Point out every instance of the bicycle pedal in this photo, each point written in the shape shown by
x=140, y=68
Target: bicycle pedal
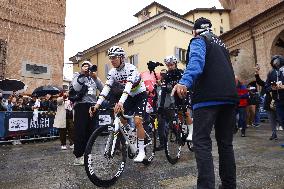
x=149, y=143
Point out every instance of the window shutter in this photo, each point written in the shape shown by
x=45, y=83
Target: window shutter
x=177, y=51
x=106, y=70
x=136, y=60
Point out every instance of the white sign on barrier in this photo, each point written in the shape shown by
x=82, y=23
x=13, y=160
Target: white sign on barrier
x=104, y=119
x=18, y=124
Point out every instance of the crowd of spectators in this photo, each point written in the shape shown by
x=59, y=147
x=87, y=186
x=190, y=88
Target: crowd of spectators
x=19, y=102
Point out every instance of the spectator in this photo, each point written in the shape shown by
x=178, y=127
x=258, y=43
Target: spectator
x=2, y=103
x=272, y=116
x=210, y=76
x=12, y=101
x=87, y=82
x=69, y=118
x=60, y=120
x=243, y=103
x=274, y=85
x=253, y=107
x=19, y=106
x=47, y=104
x=35, y=104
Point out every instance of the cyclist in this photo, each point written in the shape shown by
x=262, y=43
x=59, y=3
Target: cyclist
x=171, y=78
x=133, y=98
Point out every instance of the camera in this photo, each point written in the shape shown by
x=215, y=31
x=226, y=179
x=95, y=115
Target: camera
x=152, y=65
x=273, y=83
x=93, y=68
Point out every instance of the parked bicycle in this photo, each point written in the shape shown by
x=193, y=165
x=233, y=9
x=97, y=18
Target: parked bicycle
x=108, y=147
x=176, y=135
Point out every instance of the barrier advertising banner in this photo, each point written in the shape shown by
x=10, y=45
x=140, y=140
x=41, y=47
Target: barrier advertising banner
x=25, y=123
x=2, y=128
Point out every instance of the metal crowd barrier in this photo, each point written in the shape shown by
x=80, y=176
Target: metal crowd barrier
x=26, y=126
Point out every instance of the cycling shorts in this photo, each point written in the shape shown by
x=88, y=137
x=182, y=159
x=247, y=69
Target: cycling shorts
x=136, y=105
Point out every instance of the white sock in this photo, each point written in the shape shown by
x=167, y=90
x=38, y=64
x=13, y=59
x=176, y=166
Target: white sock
x=190, y=131
x=141, y=145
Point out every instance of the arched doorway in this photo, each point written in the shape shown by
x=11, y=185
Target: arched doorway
x=243, y=64
x=278, y=45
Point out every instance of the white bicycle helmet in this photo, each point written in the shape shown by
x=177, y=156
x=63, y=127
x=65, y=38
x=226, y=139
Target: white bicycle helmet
x=116, y=51
x=170, y=59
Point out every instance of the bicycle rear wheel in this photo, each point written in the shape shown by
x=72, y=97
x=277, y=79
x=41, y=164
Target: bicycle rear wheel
x=173, y=143
x=150, y=141
x=102, y=168
x=190, y=145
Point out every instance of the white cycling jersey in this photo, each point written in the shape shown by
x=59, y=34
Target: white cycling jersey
x=129, y=77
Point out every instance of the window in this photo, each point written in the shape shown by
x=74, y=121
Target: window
x=133, y=59
x=65, y=87
x=130, y=43
x=221, y=30
x=221, y=21
x=181, y=55
x=106, y=70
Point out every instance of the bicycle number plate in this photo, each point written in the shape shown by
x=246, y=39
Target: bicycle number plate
x=104, y=120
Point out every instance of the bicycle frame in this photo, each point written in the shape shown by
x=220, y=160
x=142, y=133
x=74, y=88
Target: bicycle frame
x=119, y=127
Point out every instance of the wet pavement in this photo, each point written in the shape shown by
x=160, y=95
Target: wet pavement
x=260, y=165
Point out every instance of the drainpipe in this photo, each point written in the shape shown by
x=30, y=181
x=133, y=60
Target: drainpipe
x=253, y=44
x=97, y=58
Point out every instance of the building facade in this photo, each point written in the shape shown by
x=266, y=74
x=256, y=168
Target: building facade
x=160, y=32
x=32, y=41
x=255, y=39
x=218, y=17
x=243, y=10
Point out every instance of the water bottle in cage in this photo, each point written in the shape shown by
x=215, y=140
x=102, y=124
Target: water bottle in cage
x=131, y=133
x=184, y=128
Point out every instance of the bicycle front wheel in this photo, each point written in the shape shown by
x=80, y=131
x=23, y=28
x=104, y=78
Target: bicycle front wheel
x=102, y=166
x=173, y=143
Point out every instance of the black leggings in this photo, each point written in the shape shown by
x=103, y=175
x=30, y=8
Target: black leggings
x=84, y=126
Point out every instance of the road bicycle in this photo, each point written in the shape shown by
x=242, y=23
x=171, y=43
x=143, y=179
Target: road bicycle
x=108, y=147
x=176, y=135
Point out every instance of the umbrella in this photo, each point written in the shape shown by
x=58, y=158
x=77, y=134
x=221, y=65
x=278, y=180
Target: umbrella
x=11, y=85
x=44, y=90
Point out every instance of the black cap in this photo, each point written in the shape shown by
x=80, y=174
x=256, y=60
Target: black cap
x=202, y=23
x=277, y=61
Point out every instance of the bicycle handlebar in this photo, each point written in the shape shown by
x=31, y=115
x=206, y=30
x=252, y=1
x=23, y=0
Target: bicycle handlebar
x=119, y=114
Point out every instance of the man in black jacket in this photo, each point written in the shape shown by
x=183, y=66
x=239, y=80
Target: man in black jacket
x=274, y=85
x=210, y=76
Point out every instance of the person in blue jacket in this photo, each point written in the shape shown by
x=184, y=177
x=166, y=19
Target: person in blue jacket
x=210, y=77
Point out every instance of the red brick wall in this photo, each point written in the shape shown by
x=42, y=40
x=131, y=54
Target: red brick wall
x=243, y=10
x=34, y=31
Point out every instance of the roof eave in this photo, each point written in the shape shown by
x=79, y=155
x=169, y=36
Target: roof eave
x=135, y=27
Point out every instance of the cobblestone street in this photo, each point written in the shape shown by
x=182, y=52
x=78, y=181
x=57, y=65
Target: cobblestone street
x=260, y=164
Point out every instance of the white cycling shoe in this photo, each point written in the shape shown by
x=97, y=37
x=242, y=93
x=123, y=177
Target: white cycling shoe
x=190, y=131
x=141, y=151
x=140, y=157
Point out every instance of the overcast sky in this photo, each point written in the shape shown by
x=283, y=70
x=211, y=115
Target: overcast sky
x=88, y=22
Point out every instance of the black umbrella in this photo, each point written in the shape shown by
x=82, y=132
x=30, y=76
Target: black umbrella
x=43, y=90
x=11, y=85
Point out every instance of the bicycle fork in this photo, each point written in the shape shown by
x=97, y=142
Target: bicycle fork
x=111, y=142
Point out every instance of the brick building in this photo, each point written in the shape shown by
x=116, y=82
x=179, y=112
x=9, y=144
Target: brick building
x=257, y=33
x=32, y=41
